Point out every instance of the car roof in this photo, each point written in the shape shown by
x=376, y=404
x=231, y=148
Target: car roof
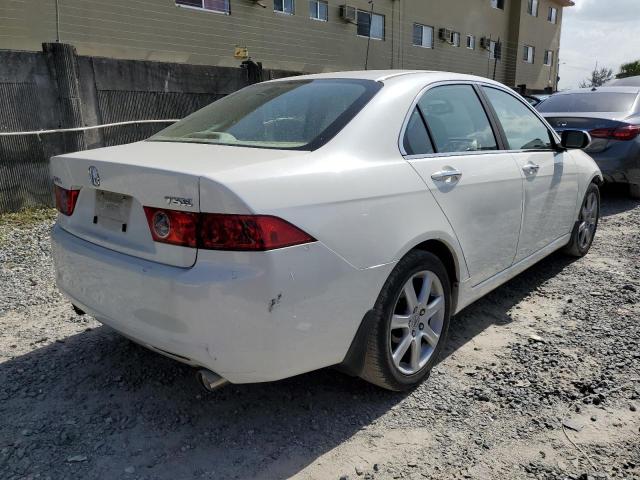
x=625, y=82
x=635, y=90
x=387, y=75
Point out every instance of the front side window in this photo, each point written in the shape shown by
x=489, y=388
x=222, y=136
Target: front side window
x=457, y=122
x=290, y=115
x=319, y=10
x=221, y=6
x=548, y=57
x=284, y=6
x=416, y=139
x=523, y=129
x=471, y=42
x=532, y=7
x=422, y=36
x=529, y=54
x=370, y=25
x=553, y=15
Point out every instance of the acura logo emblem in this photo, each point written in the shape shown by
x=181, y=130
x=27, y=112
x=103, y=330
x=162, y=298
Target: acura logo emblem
x=94, y=176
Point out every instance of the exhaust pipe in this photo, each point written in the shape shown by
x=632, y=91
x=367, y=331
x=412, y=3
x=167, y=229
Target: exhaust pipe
x=209, y=380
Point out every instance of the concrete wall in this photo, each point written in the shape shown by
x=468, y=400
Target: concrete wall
x=161, y=31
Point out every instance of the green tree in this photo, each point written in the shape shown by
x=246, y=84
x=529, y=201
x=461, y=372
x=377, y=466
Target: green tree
x=630, y=69
x=599, y=77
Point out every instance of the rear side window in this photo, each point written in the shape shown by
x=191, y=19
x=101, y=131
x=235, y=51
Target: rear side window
x=416, y=139
x=589, y=102
x=292, y=114
x=456, y=119
x=523, y=129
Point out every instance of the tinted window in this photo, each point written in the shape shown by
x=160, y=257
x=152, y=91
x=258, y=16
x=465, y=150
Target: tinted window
x=416, y=139
x=523, y=129
x=589, y=102
x=456, y=119
x=300, y=114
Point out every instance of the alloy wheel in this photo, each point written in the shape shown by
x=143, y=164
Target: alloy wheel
x=588, y=221
x=416, y=322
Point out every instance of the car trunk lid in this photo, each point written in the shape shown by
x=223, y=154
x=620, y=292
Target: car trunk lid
x=116, y=183
x=587, y=122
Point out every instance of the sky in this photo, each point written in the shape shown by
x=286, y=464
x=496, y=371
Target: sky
x=603, y=31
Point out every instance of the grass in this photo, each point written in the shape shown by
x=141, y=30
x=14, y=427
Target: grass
x=24, y=219
x=27, y=217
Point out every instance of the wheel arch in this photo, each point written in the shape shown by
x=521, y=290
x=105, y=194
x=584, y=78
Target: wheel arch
x=353, y=362
x=447, y=256
x=597, y=179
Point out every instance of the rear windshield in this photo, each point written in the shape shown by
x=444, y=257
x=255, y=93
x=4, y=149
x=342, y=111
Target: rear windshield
x=589, y=102
x=292, y=115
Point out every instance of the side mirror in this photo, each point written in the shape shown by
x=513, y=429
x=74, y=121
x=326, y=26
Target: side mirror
x=572, y=139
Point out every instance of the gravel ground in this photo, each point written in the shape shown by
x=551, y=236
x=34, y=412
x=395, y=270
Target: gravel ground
x=541, y=380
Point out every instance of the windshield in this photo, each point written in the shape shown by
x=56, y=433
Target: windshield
x=293, y=115
x=589, y=102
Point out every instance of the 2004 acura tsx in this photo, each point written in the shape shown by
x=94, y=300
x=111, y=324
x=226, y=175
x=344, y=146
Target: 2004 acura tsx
x=332, y=219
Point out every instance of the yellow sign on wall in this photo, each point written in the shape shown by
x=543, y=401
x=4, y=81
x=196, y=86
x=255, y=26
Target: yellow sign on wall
x=241, y=53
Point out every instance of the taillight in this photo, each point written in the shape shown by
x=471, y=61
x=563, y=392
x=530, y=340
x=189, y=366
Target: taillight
x=628, y=132
x=218, y=231
x=173, y=226
x=65, y=200
x=248, y=232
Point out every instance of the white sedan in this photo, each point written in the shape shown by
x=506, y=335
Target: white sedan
x=332, y=219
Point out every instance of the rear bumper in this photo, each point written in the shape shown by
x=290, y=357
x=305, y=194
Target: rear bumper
x=621, y=163
x=249, y=317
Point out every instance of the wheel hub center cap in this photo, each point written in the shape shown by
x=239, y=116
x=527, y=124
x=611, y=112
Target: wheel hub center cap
x=414, y=320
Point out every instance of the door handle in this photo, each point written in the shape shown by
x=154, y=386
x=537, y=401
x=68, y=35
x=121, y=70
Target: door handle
x=450, y=175
x=531, y=168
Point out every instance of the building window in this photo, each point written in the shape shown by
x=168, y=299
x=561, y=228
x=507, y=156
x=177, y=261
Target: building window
x=422, y=36
x=548, y=57
x=370, y=25
x=319, y=10
x=529, y=54
x=497, y=4
x=221, y=6
x=532, y=7
x=553, y=15
x=492, y=49
x=455, y=39
x=471, y=42
x=283, y=6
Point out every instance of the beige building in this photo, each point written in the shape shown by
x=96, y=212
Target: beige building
x=515, y=41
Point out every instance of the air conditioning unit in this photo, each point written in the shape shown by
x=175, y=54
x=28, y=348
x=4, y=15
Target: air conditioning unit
x=485, y=43
x=348, y=13
x=444, y=34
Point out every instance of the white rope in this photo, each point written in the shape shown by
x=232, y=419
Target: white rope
x=83, y=129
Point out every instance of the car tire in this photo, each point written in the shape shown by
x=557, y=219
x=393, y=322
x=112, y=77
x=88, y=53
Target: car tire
x=634, y=190
x=585, y=228
x=428, y=317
